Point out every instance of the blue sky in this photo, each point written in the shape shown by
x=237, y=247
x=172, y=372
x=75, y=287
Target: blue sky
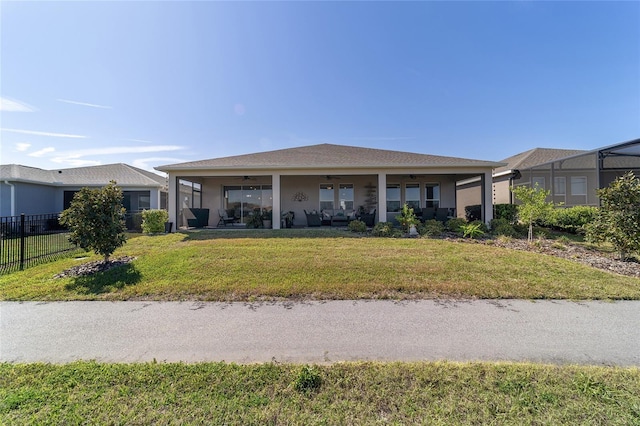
x=152, y=83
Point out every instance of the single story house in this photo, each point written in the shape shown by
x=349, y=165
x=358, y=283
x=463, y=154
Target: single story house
x=572, y=176
x=324, y=177
x=31, y=190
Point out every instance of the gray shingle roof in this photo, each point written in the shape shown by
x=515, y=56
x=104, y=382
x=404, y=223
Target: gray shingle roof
x=123, y=174
x=536, y=156
x=327, y=155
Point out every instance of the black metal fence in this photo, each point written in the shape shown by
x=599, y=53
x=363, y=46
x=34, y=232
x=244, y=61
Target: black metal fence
x=28, y=240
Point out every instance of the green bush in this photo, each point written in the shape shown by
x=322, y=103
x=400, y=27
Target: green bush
x=357, y=226
x=508, y=212
x=454, y=224
x=407, y=217
x=153, y=221
x=472, y=230
x=503, y=227
x=572, y=219
x=431, y=228
x=96, y=219
x=473, y=212
x=385, y=229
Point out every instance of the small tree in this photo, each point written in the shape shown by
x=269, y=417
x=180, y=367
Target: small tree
x=407, y=217
x=618, y=219
x=534, y=205
x=96, y=219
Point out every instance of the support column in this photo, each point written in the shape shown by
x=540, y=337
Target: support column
x=172, y=201
x=277, y=205
x=487, y=196
x=382, y=197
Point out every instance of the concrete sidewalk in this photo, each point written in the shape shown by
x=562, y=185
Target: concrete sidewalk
x=316, y=332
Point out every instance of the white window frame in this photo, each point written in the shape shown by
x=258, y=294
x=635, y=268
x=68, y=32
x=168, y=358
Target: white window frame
x=342, y=202
x=398, y=200
x=539, y=180
x=333, y=194
x=415, y=204
x=435, y=201
x=584, y=178
x=557, y=185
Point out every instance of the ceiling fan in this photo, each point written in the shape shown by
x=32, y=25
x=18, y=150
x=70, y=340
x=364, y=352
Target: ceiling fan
x=329, y=177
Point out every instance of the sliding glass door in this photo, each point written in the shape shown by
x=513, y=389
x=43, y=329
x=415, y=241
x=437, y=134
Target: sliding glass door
x=244, y=200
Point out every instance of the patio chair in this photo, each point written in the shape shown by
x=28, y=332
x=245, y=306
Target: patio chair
x=313, y=218
x=369, y=218
x=428, y=213
x=225, y=218
x=442, y=214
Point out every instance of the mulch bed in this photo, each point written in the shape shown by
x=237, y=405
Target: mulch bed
x=95, y=267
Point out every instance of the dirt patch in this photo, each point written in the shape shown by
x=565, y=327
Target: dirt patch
x=94, y=267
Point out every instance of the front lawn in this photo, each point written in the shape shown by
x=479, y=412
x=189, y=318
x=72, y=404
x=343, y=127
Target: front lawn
x=350, y=393
x=302, y=264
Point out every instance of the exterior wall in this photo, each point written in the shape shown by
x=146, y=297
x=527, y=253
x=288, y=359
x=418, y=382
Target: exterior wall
x=5, y=199
x=569, y=199
x=502, y=190
x=34, y=199
x=468, y=195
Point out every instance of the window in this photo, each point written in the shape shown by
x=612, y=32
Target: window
x=539, y=180
x=190, y=194
x=432, y=195
x=243, y=201
x=326, y=196
x=560, y=185
x=412, y=195
x=578, y=185
x=393, y=198
x=345, y=196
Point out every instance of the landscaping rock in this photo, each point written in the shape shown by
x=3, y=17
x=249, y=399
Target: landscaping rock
x=94, y=267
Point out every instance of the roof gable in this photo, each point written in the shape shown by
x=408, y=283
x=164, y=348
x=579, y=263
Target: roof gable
x=536, y=156
x=123, y=174
x=326, y=155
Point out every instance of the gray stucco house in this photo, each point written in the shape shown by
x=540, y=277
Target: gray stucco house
x=31, y=190
x=571, y=176
x=320, y=178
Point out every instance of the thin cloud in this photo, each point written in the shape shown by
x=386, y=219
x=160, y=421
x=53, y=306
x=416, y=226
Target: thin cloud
x=143, y=163
x=67, y=157
x=83, y=163
x=67, y=101
x=42, y=152
x=12, y=105
x=38, y=133
x=22, y=146
x=136, y=140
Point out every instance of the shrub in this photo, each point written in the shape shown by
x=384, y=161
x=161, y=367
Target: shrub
x=308, y=379
x=407, y=217
x=431, y=228
x=153, y=221
x=473, y=212
x=509, y=212
x=572, y=219
x=454, y=224
x=618, y=220
x=385, y=229
x=357, y=226
x=472, y=230
x=96, y=219
x=502, y=227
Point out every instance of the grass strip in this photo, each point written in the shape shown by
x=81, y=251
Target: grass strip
x=290, y=264
x=349, y=393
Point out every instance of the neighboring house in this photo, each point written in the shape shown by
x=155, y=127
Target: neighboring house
x=322, y=177
x=572, y=176
x=31, y=190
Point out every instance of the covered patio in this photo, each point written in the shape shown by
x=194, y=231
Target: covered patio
x=320, y=179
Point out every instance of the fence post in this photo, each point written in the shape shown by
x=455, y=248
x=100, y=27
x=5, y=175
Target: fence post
x=22, y=241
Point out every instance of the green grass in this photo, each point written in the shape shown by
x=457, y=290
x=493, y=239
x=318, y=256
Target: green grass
x=350, y=393
x=295, y=264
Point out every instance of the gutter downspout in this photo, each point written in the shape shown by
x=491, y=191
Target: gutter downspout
x=13, y=197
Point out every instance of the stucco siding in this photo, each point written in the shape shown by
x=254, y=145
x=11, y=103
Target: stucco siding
x=34, y=199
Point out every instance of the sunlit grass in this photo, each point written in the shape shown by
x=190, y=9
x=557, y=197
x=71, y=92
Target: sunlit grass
x=349, y=393
x=295, y=264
